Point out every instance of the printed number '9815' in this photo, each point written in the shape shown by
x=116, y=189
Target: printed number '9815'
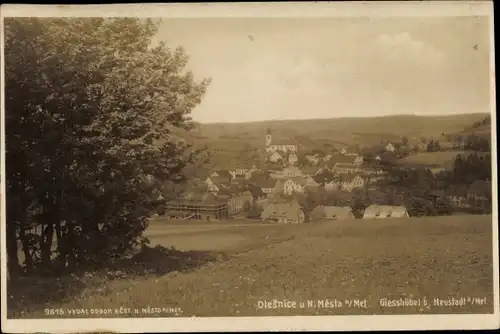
x=54, y=311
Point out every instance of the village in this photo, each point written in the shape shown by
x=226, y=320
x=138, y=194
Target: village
x=295, y=187
x=204, y=165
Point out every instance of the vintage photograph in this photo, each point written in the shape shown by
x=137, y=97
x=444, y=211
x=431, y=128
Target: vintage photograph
x=219, y=167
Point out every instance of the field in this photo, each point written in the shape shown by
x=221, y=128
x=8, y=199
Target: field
x=227, y=141
x=241, y=264
x=442, y=159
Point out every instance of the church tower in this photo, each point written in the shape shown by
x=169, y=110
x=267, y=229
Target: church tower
x=268, y=138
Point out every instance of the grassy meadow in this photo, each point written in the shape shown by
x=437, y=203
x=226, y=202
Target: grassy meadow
x=442, y=159
x=226, y=269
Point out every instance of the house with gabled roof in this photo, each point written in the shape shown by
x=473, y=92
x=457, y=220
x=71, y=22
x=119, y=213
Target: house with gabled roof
x=328, y=180
x=294, y=184
x=390, y=148
x=275, y=157
x=309, y=170
x=257, y=193
x=222, y=174
x=480, y=194
x=313, y=159
x=457, y=195
x=265, y=184
x=352, y=181
x=292, y=158
x=332, y=213
x=327, y=157
x=289, y=171
x=284, y=212
x=385, y=211
x=345, y=168
x=237, y=198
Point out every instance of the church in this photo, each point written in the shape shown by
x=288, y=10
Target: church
x=275, y=146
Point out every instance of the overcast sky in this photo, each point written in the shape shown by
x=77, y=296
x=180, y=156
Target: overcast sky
x=288, y=68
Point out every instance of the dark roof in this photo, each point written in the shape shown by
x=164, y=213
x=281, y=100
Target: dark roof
x=221, y=183
x=300, y=180
x=233, y=189
x=324, y=177
x=309, y=169
x=349, y=177
x=256, y=192
x=262, y=182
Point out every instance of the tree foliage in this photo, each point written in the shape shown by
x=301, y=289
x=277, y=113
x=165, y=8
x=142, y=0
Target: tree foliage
x=92, y=117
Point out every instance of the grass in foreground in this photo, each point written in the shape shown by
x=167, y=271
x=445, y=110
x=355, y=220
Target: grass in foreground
x=363, y=259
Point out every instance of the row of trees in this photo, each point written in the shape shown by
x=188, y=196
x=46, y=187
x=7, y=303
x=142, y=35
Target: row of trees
x=467, y=169
x=484, y=121
x=89, y=109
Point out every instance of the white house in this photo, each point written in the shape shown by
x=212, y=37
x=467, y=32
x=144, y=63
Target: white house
x=359, y=160
x=292, y=158
x=350, y=182
x=216, y=184
x=222, y=174
x=385, y=211
x=333, y=185
x=275, y=157
x=390, y=148
x=239, y=171
x=287, y=172
x=345, y=168
x=296, y=184
x=332, y=213
x=313, y=159
x=285, y=213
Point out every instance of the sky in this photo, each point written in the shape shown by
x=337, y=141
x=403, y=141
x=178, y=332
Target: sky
x=297, y=68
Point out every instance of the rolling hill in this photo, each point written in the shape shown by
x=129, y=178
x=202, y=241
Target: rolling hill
x=227, y=141
x=345, y=130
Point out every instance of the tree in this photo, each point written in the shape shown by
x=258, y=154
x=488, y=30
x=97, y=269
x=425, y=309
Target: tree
x=358, y=203
x=418, y=207
x=254, y=211
x=430, y=146
x=92, y=110
x=437, y=146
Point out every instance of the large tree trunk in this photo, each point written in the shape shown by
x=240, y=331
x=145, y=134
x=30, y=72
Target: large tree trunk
x=13, y=266
x=28, y=259
x=46, y=247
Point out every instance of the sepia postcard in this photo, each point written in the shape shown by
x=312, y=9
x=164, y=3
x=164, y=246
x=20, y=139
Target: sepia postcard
x=245, y=167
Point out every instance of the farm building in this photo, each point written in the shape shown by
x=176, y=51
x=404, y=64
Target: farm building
x=237, y=199
x=332, y=213
x=202, y=210
x=385, y=211
x=284, y=213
